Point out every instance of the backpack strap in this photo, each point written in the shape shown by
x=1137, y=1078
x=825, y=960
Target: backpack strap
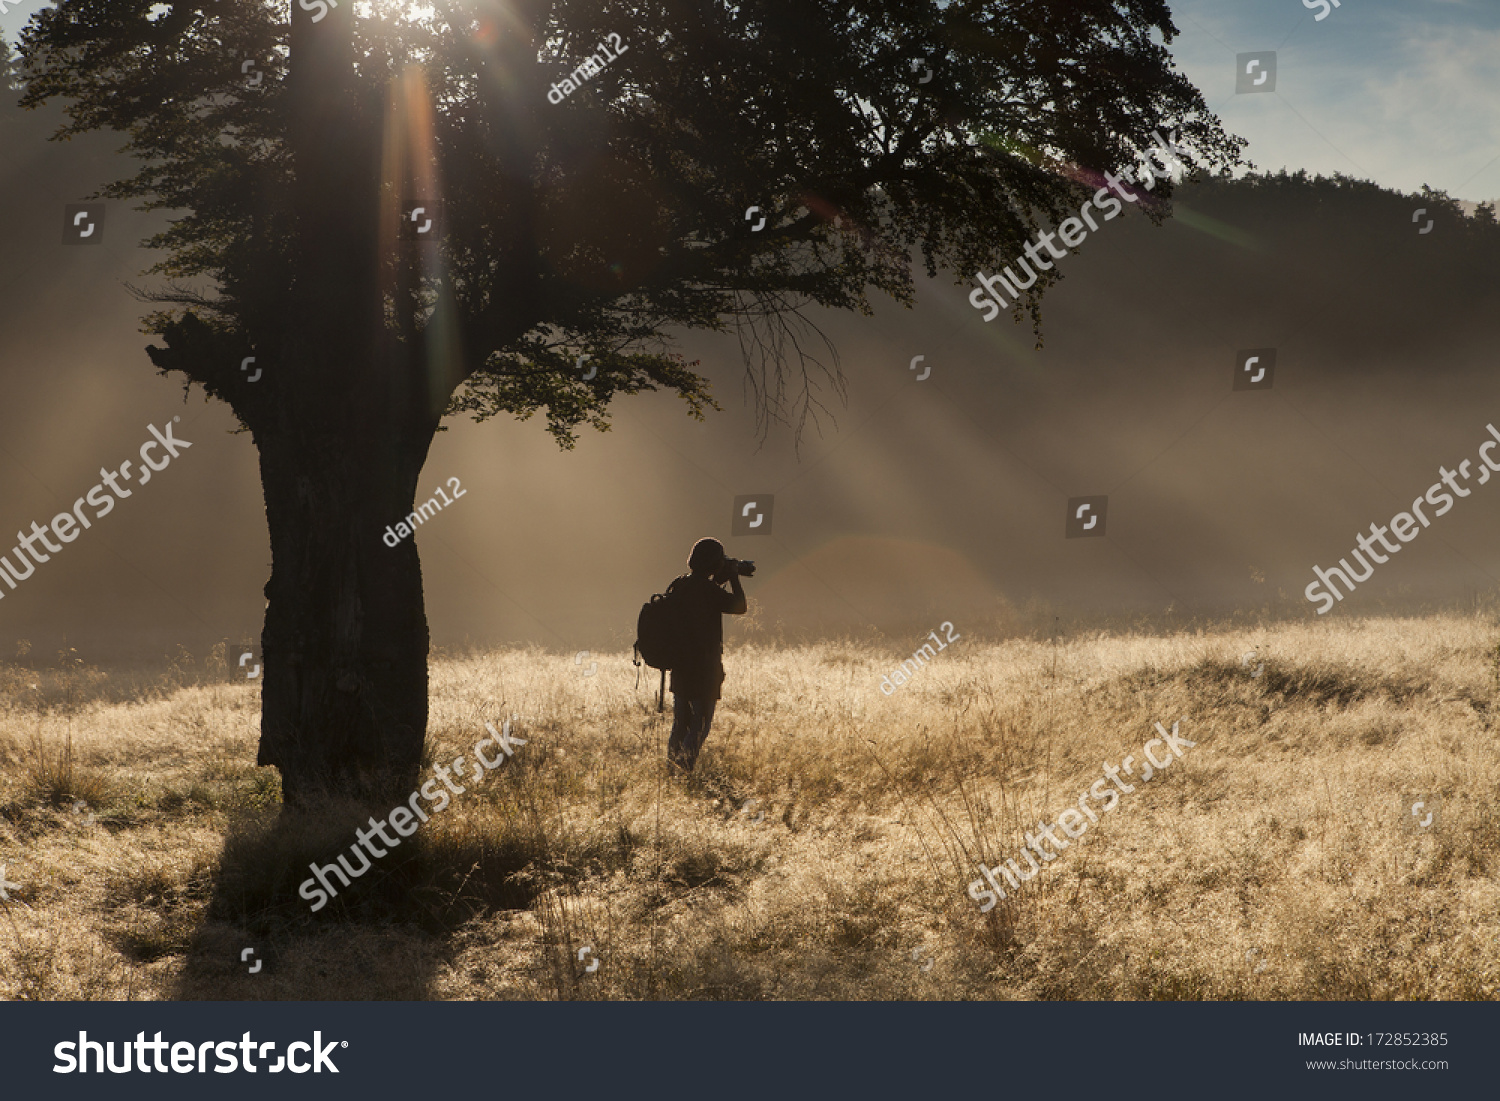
x=661, y=695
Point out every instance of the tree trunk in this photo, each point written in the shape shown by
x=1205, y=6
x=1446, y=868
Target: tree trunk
x=344, y=705
x=342, y=438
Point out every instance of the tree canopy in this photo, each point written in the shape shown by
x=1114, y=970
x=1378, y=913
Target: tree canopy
x=599, y=224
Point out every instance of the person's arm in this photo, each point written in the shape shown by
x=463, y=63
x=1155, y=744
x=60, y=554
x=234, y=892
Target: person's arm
x=734, y=600
x=740, y=605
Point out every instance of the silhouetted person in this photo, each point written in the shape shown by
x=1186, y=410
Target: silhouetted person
x=699, y=674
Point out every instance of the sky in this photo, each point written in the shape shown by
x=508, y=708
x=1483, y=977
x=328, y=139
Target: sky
x=1401, y=92
x=923, y=501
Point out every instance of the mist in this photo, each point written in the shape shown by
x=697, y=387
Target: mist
x=905, y=503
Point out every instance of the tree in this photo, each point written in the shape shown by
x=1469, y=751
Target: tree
x=583, y=208
x=10, y=77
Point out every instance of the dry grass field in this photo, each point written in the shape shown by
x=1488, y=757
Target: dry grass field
x=1275, y=860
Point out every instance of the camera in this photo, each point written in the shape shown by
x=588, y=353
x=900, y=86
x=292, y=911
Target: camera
x=743, y=567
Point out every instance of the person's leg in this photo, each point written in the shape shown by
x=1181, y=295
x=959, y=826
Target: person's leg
x=679, y=750
x=687, y=742
x=703, y=717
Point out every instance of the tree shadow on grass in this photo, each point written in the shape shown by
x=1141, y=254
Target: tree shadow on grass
x=381, y=937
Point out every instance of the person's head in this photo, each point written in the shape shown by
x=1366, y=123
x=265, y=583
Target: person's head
x=707, y=557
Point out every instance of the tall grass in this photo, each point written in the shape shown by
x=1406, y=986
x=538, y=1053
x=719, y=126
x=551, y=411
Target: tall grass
x=1274, y=860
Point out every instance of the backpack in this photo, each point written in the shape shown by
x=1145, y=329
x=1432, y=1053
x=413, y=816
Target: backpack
x=659, y=635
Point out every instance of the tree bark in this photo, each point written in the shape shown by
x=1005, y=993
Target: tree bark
x=344, y=704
